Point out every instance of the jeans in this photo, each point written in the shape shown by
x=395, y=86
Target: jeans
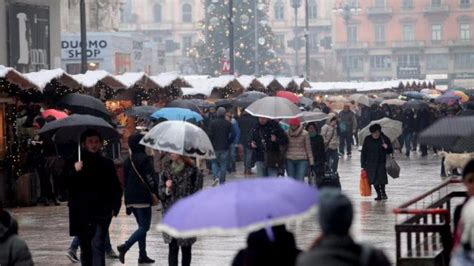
x=345, y=139
x=143, y=217
x=333, y=159
x=232, y=158
x=174, y=251
x=92, y=241
x=264, y=171
x=297, y=169
x=219, y=165
x=408, y=140
x=248, y=154
x=108, y=246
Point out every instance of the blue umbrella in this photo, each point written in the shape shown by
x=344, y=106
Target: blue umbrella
x=176, y=114
x=240, y=207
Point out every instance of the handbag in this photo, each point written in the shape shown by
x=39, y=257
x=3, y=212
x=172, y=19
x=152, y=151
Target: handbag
x=364, y=186
x=393, y=169
x=154, y=198
x=330, y=179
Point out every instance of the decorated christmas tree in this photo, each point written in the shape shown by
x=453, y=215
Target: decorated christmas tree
x=211, y=54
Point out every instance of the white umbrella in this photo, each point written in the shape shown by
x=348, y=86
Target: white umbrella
x=390, y=128
x=396, y=102
x=362, y=99
x=179, y=137
x=273, y=108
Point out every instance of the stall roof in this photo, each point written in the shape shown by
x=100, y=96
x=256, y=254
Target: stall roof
x=130, y=79
x=91, y=78
x=41, y=78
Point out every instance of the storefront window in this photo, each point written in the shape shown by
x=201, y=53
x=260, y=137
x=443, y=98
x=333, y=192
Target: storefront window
x=464, y=60
x=437, y=61
x=380, y=62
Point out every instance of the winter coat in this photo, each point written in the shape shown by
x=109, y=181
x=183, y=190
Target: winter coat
x=261, y=135
x=376, y=114
x=282, y=251
x=347, y=122
x=94, y=192
x=422, y=119
x=299, y=145
x=409, y=123
x=319, y=153
x=135, y=191
x=374, y=158
x=330, y=136
x=246, y=124
x=236, y=130
x=186, y=182
x=364, y=119
x=13, y=249
x=340, y=251
x=221, y=134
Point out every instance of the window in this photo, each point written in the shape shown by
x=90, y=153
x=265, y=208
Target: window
x=312, y=9
x=436, y=32
x=407, y=4
x=351, y=33
x=379, y=34
x=380, y=62
x=408, y=31
x=279, y=10
x=435, y=3
x=464, y=60
x=157, y=13
x=313, y=42
x=187, y=44
x=187, y=13
x=280, y=42
x=354, y=63
x=437, y=61
x=408, y=60
x=465, y=31
x=465, y=3
x=379, y=3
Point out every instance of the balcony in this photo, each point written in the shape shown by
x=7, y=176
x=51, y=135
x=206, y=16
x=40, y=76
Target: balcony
x=351, y=45
x=379, y=11
x=461, y=43
x=436, y=9
x=408, y=44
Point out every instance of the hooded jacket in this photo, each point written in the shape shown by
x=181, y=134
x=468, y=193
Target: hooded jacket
x=13, y=249
x=330, y=135
x=299, y=145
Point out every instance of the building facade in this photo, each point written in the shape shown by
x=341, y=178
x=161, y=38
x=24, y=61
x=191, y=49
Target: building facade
x=385, y=39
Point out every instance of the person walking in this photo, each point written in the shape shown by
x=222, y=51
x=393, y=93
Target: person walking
x=299, y=153
x=375, y=149
x=335, y=246
x=71, y=253
x=409, y=127
x=246, y=124
x=347, y=129
x=235, y=142
x=331, y=142
x=179, y=178
x=141, y=192
x=319, y=153
x=268, y=140
x=95, y=196
x=221, y=135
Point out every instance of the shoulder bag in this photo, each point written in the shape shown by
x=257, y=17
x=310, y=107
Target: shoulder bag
x=154, y=198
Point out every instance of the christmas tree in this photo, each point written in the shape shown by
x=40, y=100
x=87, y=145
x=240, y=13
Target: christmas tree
x=213, y=49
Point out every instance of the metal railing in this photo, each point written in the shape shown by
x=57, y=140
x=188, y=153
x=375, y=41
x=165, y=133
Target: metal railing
x=379, y=10
x=436, y=8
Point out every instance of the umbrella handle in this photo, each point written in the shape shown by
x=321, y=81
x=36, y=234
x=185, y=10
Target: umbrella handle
x=79, y=150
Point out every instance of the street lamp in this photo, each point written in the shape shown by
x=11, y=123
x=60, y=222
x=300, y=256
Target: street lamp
x=231, y=36
x=82, y=12
x=296, y=4
x=347, y=11
x=306, y=34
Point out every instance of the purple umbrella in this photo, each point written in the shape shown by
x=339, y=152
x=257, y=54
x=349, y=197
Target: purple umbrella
x=240, y=207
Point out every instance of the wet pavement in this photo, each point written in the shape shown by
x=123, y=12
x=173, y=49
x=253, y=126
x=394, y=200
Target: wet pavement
x=45, y=229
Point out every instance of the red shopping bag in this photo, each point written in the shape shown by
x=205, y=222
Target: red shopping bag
x=364, y=185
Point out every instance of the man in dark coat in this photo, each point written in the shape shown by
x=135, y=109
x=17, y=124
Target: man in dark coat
x=335, y=247
x=95, y=196
x=246, y=124
x=409, y=127
x=319, y=151
x=375, y=149
x=423, y=120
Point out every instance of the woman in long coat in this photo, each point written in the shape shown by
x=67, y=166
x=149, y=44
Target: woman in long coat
x=179, y=179
x=375, y=149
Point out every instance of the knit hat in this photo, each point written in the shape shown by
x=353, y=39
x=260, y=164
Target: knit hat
x=294, y=122
x=335, y=212
x=221, y=112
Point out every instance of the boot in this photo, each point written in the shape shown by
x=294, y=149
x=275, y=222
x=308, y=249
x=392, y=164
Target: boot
x=122, y=249
x=379, y=193
x=384, y=195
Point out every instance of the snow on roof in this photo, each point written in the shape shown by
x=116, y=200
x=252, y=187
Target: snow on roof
x=299, y=81
x=361, y=86
x=91, y=77
x=284, y=81
x=246, y=80
x=221, y=81
x=204, y=90
x=165, y=79
x=266, y=80
x=41, y=78
x=130, y=79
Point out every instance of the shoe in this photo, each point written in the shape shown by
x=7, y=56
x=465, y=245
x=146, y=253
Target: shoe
x=145, y=260
x=215, y=182
x=112, y=255
x=122, y=250
x=71, y=254
x=57, y=203
x=349, y=155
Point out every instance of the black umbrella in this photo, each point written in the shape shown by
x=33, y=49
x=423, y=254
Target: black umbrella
x=415, y=104
x=85, y=105
x=202, y=103
x=180, y=103
x=141, y=111
x=247, y=98
x=455, y=134
x=226, y=103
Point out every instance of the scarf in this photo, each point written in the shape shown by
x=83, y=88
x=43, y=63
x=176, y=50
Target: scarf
x=176, y=168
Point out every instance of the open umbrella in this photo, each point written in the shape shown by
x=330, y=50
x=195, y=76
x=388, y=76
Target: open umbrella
x=226, y=103
x=179, y=137
x=308, y=117
x=186, y=104
x=448, y=99
x=390, y=128
x=289, y=96
x=306, y=102
x=362, y=99
x=176, y=114
x=389, y=95
x=141, y=111
x=455, y=134
x=240, y=207
x=247, y=98
x=85, y=105
x=54, y=113
x=273, y=108
x=414, y=95
x=202, y=104
x=395, y=102
x=415, y=104
x=337, y=99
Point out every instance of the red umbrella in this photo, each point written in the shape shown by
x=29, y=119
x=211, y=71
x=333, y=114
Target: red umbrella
x=54, y=113
x=289, y=96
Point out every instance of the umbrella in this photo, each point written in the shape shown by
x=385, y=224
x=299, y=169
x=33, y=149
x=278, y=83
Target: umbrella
x=247, y=98
x=85, y=105
x=179, y=137
x=306, y=102
x=180, y=103
x=273, y=108
x=362, y=99
x=447, y=99
x=341, y=99
x=226, y=103
x=240, y=207
x=455, y=134
x=289, y=96
x=202, y=103
x=141, y=111
x=414, y=95
x=464, y=97
x=415, y=104
x=389, y=95
x=176, y=114
x=396, y=102
x=390, y=128
x=54, y=113
x=308, y=117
